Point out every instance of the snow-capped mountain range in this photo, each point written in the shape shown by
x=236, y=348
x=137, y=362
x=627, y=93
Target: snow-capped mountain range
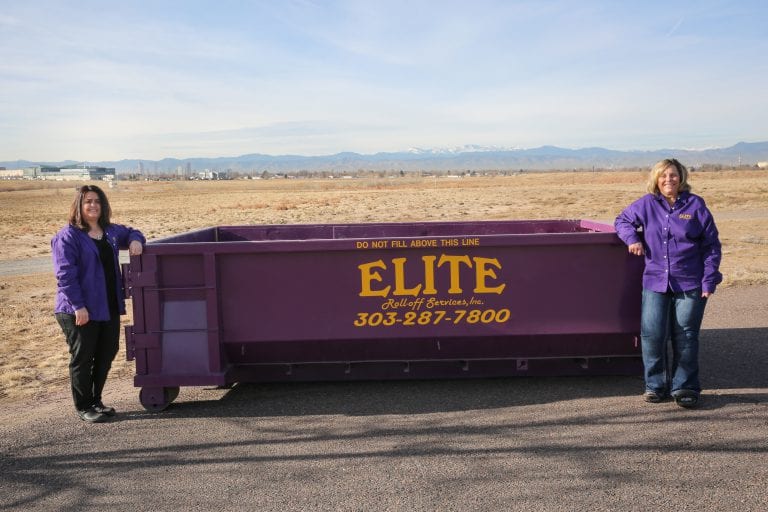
x=467, y=148
x=463, y=158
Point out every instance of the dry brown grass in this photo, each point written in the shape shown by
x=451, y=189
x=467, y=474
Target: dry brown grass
x=33, y=356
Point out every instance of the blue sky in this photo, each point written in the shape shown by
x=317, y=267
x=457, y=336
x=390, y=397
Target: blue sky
x=93, y=80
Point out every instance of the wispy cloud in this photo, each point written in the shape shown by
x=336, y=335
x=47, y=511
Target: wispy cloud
x=147, y=78
x=675, y=27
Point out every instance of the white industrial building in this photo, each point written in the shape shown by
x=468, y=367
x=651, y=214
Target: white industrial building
x=70, y=172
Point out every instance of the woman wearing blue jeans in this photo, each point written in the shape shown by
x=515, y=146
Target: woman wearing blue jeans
x=676, y=233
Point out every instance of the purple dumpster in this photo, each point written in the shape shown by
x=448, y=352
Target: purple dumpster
x=235, y=304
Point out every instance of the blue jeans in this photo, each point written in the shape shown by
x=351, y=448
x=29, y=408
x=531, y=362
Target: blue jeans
x=676, y=316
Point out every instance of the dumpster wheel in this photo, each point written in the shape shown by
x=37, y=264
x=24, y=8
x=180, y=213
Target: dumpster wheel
x=157, y=399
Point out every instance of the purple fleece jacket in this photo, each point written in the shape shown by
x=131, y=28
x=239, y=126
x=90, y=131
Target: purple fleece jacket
x=80, y=274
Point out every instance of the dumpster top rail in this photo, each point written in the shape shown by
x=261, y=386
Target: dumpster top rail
x=259, y=233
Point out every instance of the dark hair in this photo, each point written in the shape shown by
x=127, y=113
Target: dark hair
x=76, y=210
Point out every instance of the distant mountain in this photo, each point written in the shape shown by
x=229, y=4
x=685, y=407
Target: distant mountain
x=21, y=164
x=472, y=158
x=469, y=148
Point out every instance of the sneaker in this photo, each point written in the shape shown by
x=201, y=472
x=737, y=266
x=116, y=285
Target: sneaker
x=652, y=397
x=103, y=409
x=91, y=415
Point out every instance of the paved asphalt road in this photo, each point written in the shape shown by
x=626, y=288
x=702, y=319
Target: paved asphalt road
x=39, y=264
x=580, y=443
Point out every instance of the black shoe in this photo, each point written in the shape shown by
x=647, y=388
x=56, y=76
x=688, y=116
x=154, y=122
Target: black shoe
x=103, y=409
x=652, y=397
x=91, y=415
x=687, y=399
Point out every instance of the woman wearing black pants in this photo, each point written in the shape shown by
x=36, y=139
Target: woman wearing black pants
x=90, y=297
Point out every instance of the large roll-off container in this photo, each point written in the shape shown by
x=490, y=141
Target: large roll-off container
x=382, y=301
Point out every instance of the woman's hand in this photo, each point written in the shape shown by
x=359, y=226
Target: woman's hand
x=636, y=249
x=135, y=248
x=81, y=316
x=707, y=295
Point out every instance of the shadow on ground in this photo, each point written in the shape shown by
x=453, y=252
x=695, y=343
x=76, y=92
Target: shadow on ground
x=731, y=359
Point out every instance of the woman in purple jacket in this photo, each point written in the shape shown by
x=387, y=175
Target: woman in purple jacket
x=90, y=296
x=676, y=233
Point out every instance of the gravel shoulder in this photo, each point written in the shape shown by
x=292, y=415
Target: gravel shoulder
x=580, y=443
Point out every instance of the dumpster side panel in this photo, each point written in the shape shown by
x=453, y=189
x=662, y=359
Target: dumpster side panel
x=477, y=291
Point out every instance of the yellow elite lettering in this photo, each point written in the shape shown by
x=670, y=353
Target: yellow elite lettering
x=429, y=275
x=481, y=272
x=426, y=283
x=453, y=265
x=400, y=288
x=367, y=275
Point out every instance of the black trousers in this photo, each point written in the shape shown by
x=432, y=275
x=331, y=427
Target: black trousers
x=92, y=348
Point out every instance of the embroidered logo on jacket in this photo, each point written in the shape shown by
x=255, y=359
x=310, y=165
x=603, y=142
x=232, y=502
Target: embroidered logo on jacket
x=686, y=216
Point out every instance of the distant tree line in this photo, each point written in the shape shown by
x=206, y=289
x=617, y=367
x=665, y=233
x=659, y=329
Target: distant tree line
x=230, y=174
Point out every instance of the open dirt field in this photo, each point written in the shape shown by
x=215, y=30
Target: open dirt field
x=494, y=444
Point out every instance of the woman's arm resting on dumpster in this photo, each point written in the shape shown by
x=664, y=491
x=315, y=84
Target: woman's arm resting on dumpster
x=627, y=223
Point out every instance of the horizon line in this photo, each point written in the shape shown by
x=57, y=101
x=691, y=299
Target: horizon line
x=445, y=150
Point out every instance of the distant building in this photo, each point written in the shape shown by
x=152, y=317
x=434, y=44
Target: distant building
x=208, y=174
x=70, y=172
x=762, y=165
x=11, y=173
